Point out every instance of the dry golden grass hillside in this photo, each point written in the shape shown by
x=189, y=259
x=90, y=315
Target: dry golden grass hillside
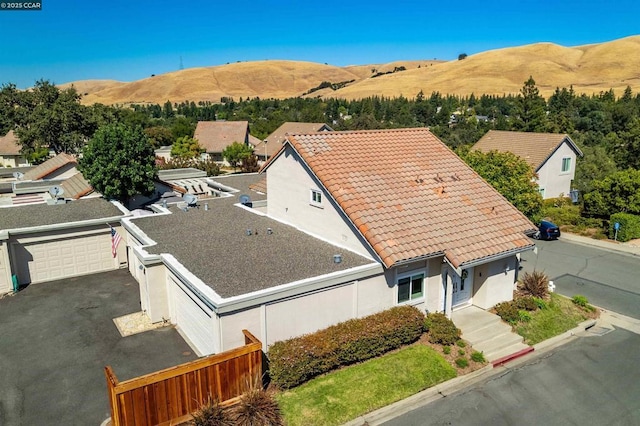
x=590, y=69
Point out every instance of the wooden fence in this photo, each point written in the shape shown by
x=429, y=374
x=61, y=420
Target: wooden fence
x=167, y=397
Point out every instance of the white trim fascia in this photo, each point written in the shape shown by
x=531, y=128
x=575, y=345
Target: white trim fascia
x=497, y=256
x=299, y=287
x=250, y=209
x=120, y=207
x=4, y=234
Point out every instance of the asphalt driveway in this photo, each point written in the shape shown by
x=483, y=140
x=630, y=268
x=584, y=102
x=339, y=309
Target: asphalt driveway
x=56, y=338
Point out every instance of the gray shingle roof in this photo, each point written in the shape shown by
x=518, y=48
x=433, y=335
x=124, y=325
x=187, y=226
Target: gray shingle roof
x=214, y=246
x=42, y=214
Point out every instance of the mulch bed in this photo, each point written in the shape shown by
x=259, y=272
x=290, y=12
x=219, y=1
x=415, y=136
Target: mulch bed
x=454, y=354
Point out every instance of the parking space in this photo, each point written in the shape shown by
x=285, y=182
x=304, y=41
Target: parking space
x=56, y=338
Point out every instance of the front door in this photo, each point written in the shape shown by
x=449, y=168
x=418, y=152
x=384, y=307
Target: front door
x=461, y=288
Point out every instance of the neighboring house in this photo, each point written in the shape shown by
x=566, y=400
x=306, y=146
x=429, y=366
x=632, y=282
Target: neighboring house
x=40, y=243
x=354, y=223
x=10, y=155
x=552, y=156
x=215, y=136
x=60, y=167
x=272, y=144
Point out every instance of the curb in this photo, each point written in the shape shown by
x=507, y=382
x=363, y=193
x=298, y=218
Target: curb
x=602, y=244
x=449, y=387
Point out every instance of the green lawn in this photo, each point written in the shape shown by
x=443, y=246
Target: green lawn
x=345, y=394
x=561, y=315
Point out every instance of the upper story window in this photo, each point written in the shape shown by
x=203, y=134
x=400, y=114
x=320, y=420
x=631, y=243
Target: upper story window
x=566, y=164
x=410, y=287
x=316, y=197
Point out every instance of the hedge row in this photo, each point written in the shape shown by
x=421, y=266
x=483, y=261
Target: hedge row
x=629, y=226
x=294, y=361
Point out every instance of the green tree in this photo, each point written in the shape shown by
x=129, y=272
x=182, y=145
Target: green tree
x=159, y=136
x=119, y=162
x=595, y=165
x=54, y=119
x=616, y=193
x=511, y=176
x=531, y=108
x=236, y=153
x=186, y=147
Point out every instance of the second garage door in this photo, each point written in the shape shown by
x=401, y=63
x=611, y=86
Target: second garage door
x=41, y=261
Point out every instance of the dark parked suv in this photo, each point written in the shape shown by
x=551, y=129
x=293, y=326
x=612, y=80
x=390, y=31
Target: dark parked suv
x=547, y=231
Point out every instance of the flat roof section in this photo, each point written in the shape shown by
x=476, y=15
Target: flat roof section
x=215, y=246
x=28, y=216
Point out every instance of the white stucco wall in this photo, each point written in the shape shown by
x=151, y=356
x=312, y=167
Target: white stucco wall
x=9, y=160
x=231, y=326
x=6, y=284
x=550, y=176
x=289, y=186
x=491, y=284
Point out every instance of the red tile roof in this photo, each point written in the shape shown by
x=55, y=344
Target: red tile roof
x=411, y=197
x=49, y=166
x=9, y=144
x=534, y=148
x=277, y=138
x=76, y=187
x=215, y=136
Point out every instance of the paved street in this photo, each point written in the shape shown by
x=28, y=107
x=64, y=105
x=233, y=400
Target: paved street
x=585, y=382
x=608, y=279
x=56, y=338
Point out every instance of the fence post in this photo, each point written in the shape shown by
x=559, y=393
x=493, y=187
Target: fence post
x=112, y=382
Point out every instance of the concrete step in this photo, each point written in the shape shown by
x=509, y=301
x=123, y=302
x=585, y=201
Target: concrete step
x=505, y=351
x=487, y=332
x=470, y=323
x=497, y=343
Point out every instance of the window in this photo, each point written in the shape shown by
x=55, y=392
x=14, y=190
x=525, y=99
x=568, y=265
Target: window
x=410, y=287
x=566, y=164
x=316, y=197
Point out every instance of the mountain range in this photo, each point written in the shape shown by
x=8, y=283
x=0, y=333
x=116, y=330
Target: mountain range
x=589, y=69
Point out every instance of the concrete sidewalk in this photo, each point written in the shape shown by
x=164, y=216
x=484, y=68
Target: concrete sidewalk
x=630, y=247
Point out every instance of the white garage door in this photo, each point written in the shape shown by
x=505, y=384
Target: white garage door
x=194, y=321
x=56, y=259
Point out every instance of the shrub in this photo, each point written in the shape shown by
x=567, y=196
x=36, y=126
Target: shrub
x=541, y=303
x=257, y=407
x=526, y=303
x=461, y=352
x=535, y=283
x=508, y=312
x=462, y=362
x=294, y=361
x=461, y=343
x=524, y=316
x=212, y=414
x=629, y=226
x=477, y=356
x=446, y=350
x=580, y=300
x=441, y=329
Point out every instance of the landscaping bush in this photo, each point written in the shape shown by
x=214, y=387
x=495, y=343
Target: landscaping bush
x=446, y=350
x=461, y=352
x=526, y=303
x=294, y=361
x=524, y=316
x=541, y=303
x=535, y=283
x=441, y=329
x=257, y=407
x=477, y=356
x=212, y=414
x=508, y=311
x=461, y=343
x=580, y=300
x=629, y=226
x=462, y=362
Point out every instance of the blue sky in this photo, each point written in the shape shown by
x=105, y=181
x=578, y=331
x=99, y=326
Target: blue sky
x=72, y=40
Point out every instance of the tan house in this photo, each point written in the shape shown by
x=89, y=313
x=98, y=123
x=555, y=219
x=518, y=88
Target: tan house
x=352, y=223
x=215, y=136
x=10, y=155
x=552, y=157
x=272, y=144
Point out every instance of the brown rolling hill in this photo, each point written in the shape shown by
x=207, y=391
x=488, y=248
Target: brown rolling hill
x=590, y=69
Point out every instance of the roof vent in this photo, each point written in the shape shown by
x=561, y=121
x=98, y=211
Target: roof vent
x=248, y=231
x=269, y=231
x=337, y=258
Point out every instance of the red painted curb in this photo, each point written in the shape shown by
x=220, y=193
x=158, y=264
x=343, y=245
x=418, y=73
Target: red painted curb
x=500, y=361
